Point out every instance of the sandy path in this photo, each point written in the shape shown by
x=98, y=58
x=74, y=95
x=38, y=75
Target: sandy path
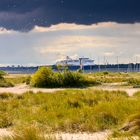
x=20, y=89
x=130, y=91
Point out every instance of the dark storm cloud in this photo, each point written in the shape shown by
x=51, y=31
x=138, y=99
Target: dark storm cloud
x=23, y=15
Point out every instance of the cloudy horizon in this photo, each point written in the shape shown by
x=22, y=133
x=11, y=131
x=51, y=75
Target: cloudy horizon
x=39, y=32
x=45, y=45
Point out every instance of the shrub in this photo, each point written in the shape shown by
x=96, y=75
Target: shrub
x=105, y=72
x=133, y=82
x=45, y=77
x=73, y=79
x=42, y=78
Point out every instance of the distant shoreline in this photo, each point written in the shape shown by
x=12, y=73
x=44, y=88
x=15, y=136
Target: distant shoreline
x=94, y=68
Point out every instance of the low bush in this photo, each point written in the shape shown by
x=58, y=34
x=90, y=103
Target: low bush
x=45, y=77
x=105, y=72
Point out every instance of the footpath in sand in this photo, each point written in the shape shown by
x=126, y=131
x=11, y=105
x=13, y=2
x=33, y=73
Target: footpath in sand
x=117, y=87
x=20, y=89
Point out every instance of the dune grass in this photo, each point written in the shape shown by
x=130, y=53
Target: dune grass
x=18, y=79
x=127, y=79
x=67, y=111
x=137, y=94
x=135, y=82
x=7, y=80
x=3, y=81
x=109, y=77
x=29, y=133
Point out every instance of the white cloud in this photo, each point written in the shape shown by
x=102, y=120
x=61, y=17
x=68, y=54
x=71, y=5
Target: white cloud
x=103, y=25
x=44, y=45
x=108, y=53
x=5, y=31
x=66, y=26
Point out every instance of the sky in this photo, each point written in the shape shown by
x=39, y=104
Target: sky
x=38, y=32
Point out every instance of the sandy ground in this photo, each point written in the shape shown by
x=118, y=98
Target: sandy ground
x=73, y=136
x=5, y=133
x=83, y=136
x=67, y=136
x=129, y=90
x=20, y=89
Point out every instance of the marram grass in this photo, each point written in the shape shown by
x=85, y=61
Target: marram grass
x=68, y=110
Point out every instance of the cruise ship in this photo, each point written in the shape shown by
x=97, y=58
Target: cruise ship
x=84, y=61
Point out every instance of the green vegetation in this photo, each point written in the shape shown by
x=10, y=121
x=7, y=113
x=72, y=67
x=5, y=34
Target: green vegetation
x=16, y=79
x=135, y=82
x=30, y=133
x=2, y=74
x=127, y=79
x=70, y=79
x=71, y=110
x=137, y=94
x=3, y=82
x=109, y=77
x=67, y=111
x=130, y=128
x=45, y=77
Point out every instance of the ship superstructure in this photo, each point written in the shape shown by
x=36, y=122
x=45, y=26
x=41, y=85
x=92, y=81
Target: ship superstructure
x=76, y=62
